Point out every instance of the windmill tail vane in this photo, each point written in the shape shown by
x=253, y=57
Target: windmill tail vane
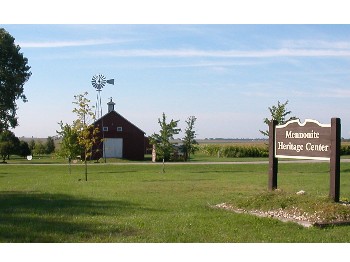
x=110, y=81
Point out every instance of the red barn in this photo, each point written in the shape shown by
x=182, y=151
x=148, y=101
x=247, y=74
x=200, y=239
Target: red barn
x=120, y=138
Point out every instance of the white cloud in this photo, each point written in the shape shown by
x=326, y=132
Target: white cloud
x=316, y=44
x=188, y=53
x=57, y=44
x=335, y=92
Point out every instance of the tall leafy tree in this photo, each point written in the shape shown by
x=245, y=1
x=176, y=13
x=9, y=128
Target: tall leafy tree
x=9, y=144
x=189, y=141
x=14, y=73
x=23, y=149
x=50, y=145
x=164, y=148
x=278, y=113
x=5, y=149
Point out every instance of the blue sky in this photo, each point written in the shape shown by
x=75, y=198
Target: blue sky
x=225, y=75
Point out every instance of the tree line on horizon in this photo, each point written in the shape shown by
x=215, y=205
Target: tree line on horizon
x=12, y=145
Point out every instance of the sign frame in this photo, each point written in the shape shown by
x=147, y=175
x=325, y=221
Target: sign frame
x=300, y=127
x=332, y=139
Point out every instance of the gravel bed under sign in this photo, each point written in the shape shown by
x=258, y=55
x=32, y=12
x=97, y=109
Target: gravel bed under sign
x=292, y=215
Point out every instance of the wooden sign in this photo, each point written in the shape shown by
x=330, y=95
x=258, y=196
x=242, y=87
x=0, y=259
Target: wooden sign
x=310, y=140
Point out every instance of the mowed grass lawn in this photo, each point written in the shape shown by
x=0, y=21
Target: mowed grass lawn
x=138, y=203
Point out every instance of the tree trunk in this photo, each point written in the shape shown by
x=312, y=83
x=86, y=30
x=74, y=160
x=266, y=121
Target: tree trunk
x=85, y=167
x=85, y=170
x=69, y=165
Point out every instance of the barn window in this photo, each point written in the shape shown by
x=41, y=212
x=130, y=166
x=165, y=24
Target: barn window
x=105, y=128
x=119, y=129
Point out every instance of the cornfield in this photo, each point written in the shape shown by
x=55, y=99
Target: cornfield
x=232, y=151
x=235, y=151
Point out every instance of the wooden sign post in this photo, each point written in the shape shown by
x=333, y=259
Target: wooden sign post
x=310, y=140
x=273, y=161
x=335, y=160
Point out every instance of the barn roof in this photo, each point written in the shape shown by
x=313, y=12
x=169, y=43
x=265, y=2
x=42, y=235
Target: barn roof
x=119, y=115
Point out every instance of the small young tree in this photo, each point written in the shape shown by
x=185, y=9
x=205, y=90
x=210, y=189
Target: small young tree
x=189, y=142
x=162, y=140
x=39, y=148
x=32, y=145
x=69, y=146
x=278, y=113
x=83, y=125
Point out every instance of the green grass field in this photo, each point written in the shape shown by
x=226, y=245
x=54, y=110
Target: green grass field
x=137, y=203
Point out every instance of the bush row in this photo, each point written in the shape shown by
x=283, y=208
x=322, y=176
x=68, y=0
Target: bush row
x=344, y=150
x=247, y=151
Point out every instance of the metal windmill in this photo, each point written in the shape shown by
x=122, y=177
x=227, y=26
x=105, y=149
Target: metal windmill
x=98, y=82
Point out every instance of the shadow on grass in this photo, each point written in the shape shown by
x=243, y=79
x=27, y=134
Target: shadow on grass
x=36, y=217
x=221, y=171
x=117, y=172
x=179, y=180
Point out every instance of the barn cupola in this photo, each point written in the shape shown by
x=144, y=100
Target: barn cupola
x=110, y=106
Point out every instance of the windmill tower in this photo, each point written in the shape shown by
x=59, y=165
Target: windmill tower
x=98, y=82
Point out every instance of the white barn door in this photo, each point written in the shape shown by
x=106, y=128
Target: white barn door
x=113, y=148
